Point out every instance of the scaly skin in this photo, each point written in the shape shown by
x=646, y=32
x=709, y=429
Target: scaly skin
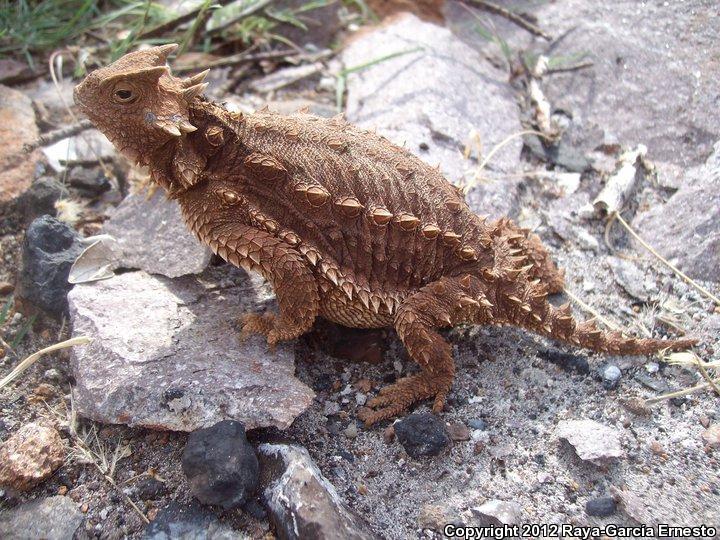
x=343, y=224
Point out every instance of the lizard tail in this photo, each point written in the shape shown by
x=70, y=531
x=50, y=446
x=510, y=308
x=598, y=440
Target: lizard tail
x=558, y=323
x=522, y=302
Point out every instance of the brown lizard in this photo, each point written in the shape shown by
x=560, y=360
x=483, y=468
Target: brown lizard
x=342, y=223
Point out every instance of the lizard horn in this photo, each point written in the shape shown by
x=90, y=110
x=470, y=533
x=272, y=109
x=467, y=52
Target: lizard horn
x=195, y=90
x=162, y=52
x=195, y=79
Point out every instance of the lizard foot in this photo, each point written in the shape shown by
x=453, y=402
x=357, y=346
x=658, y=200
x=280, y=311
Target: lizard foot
x=263, y=324
x=396, y=398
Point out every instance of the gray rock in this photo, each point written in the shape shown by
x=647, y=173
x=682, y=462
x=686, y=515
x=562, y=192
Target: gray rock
x=629, y=277
x=686, y=229
x=90, y=145
x=285, y=77
x=90, y=180
x=611, y=376
x=220, y=465
x=648, y=84
x=433, y=98
x=166, y=354
x=53, y=518
x=497, y=513
x=179, y=521
x=302, y=503
x=153, y=237
x=40, y=198
x=592, y=441
x=601, y=507
x=496, y=198
x=49, y=249
x=477, y=423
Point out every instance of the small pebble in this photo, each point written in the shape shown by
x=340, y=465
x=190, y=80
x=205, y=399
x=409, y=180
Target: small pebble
x=458, y=431
x=364, y=385
x=44, y=390
x=351, y=431
x=422, y=434
x=600, y=507
x=657, y=448
x=52, y=375
x=711, y=436
x=360, y=399
x=611, y=376
x=331, y=408
x=477, y=423
x=652, y=367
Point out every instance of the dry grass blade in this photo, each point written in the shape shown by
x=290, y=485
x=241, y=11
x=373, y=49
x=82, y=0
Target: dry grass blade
x=478, y=174
x=30, y=360
x=592, y=311
x=689, y=280
x=690, y=359
x=88, y=448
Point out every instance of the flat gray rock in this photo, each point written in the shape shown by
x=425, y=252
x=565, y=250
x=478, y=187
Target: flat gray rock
x=52, y=518
x=432, y=98
x=650, y=83
x=152, y=236
x=302, y=502
x=166, y=354
x=686, y=229
x=629, y=277
x=592, y=441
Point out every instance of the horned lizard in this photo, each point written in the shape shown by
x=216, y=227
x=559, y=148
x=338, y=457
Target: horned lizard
x=342, y=223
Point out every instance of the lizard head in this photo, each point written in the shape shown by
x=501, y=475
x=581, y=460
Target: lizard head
x=137, y=103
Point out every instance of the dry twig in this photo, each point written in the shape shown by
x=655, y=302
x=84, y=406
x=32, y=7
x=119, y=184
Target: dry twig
x=686, y=278
x=51, y=137
x=510, y=16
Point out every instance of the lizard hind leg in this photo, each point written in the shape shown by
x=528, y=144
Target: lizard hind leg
x=416, y=322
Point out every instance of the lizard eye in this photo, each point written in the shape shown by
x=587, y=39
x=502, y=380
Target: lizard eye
x=124, y=93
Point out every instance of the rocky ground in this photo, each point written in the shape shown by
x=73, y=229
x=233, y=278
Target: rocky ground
x=96, y=438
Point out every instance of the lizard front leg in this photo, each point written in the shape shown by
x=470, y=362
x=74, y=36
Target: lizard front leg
x=287, y=272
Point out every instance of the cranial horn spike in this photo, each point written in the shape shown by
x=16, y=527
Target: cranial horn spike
x=195, y=79
x=195, y=90
x=186, y=127
x=163, y=51
x=170, y=129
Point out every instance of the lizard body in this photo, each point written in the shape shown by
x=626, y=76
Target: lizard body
x=344, y=224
